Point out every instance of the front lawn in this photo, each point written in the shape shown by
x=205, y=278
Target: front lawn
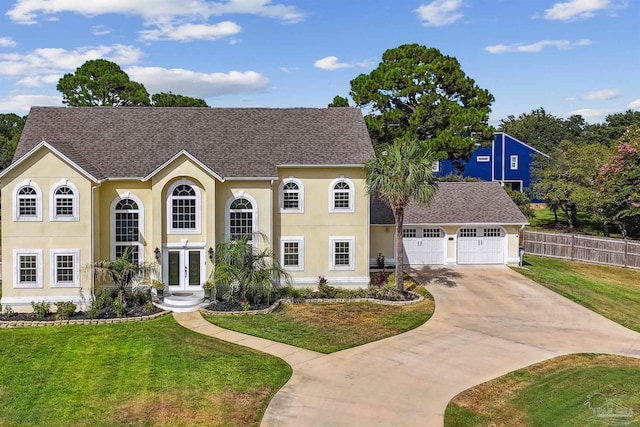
x=570, y=391
x=152, y=373
x=613, y=292
x=327, y=328
x=544, y=219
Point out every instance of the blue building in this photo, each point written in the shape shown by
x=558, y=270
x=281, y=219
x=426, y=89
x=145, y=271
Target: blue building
x=507, y=160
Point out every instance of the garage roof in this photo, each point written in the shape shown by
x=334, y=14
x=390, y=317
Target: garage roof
x=457, y=203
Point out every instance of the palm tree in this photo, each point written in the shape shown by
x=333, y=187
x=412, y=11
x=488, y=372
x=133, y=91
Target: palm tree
x=121, y=272
x=401, y=172
x=239, y=263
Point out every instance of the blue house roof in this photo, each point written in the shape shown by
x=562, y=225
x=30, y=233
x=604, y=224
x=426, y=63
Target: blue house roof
x=507, y=160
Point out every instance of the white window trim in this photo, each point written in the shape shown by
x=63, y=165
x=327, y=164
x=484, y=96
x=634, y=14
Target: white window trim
x=227, y=215
x=300, y=241
x=435, y=166
x=52, y=202
x=483, y=159
x=300, y=208
x=352, y=248
x=513, y=162
x=16, y=268
x=53, y=267
x=16, y=209
x=170, y=229
x=112, y=225
x=351, y=208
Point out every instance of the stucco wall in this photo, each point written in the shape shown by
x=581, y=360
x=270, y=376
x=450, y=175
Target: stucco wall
x=47, y=171
x=318, y=225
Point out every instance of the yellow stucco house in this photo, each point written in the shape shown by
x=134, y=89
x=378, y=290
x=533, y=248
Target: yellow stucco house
x=87, y=183
x=171, y=183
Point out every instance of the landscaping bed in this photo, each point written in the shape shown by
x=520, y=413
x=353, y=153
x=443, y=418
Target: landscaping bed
x=105, y=305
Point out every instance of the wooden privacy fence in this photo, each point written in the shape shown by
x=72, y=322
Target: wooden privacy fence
x=577, y=247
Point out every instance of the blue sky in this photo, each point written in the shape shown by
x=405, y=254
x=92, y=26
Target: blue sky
x=567, y=56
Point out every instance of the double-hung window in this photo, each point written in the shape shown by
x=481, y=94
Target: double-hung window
x=292, y=253
x=291, y=194
x=65, y=268
x=342, y=253
x=27, y=268
x=126, y=226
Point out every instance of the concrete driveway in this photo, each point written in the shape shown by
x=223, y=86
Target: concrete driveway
x=488, y=321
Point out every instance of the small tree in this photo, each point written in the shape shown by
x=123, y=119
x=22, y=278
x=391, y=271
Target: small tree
x=238, y=263
x=400, y=173
x=121, y=272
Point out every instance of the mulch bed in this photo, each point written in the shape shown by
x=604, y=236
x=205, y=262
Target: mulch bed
x=136, y=311
x=234, y=306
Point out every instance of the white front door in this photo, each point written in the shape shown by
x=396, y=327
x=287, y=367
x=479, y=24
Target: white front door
x=184, y=269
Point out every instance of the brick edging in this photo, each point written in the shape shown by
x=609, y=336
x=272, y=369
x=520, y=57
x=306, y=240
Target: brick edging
x=276, y=304
x=35, y=323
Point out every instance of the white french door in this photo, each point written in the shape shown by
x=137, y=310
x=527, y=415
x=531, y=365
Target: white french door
x=184, y=268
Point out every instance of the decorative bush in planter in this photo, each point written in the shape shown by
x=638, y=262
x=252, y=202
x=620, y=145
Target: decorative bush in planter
x=209, y=289
x=159, y=287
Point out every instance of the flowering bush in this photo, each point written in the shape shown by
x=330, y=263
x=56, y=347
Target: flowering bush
x=618, y=184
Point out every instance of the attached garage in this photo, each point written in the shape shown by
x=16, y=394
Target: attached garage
x=424, y=246
x=466, y=223
x=481, y=245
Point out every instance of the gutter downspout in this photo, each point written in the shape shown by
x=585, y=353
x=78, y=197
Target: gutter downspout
x=93, y=237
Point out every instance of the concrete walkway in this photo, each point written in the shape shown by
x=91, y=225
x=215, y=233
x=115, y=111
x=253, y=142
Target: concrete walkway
x=488, y=321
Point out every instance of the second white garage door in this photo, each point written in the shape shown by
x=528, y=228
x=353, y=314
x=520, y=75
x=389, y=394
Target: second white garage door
x=481, y=245
x=423, y=246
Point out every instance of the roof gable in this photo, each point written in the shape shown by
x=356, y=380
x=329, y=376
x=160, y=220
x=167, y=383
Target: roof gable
x=517, y=141
x=47, y=146
x=233, y=142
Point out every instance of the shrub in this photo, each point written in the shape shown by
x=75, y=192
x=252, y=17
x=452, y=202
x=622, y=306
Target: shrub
x=138, y=296
x=40, y=309
x=104, y=298
x=8, y=311
x=326, y=291
x=380, y=279
x=64, y=310
x=149, y=306
x=387, y=292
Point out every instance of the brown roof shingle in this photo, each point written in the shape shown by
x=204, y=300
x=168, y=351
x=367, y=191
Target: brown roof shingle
x=457, y=203
x=233, y=142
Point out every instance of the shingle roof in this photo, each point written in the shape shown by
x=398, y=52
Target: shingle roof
x=457, y=203
x=233, y=142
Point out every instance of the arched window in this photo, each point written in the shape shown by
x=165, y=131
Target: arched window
x=242, y=218
x=291, y=196
x=126, y=225
x=341, y=195
x=27, y=202
x=183, y=208
x=64, y=202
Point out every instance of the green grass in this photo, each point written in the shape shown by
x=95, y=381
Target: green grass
x=545, y=220
x=327, y=328
x=152, y=373
x=551, y=393
x=613, y=292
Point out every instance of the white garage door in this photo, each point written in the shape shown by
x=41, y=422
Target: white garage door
x=482, y=245
x=423, y=246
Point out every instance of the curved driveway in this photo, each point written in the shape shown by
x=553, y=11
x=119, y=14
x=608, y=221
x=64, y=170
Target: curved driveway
x=488, y=321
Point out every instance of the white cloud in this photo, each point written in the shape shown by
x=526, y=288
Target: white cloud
x=100, y=30
x=186, y=32
x=7, y=42
x=634, y=105
x=28, y=11
x=22, y=103
x=536, y=47
x=331, y=63
x=439, y=12
x=197, y=84
x=590, y=113
x=49, y=61
x=37, y=81
x=603, y=95
x=580, y=9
